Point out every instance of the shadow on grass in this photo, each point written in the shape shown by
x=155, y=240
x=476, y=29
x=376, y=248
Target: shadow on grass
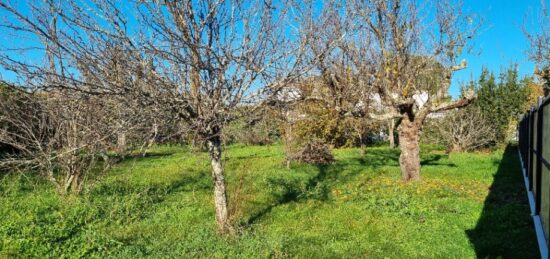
x=149, y=189
x=390, y=157
x=505, y=227
x=127, y=201
x=434, y=160
x=315, y=188
x=379, y=157
x=134, y=156
x=343, y=171
x=122, y=187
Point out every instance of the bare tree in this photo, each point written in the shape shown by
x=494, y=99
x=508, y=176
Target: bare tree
x=540, y=46
x=219, y=51
x=197, y=60
x=62, y=137
x=466, y=130
x=63, y=121
x=390, y=56
x=285, y=106
x=408, y=62
x=335, y=76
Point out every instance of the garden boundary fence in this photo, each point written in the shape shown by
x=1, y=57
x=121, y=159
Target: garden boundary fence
x=534, y=152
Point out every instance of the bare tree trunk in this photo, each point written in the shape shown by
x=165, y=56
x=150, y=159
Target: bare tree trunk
x=288, y=144
x=409, y=160
x=68, y=183
x=220, y=197
x=72, y=183
x=121, y=141
x=72, y=168
x=363, y=151
x=75, y=185
x=391, y=129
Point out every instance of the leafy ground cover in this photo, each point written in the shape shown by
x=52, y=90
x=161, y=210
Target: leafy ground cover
x=468, y=205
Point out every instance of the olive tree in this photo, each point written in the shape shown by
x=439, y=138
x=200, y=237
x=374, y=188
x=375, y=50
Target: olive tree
x=409, y=53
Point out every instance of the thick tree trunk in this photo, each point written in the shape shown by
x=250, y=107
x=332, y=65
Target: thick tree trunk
x=391, y=129
x=409, y=160
x=220, y=197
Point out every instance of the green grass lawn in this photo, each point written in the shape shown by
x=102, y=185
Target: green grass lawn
x=467, y=205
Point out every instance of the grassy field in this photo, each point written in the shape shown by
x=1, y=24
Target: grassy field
x=467, y=206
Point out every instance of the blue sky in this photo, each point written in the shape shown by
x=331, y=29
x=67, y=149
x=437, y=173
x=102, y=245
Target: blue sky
x=502, y=41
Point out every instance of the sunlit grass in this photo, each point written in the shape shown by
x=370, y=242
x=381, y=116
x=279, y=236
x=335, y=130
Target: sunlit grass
x=161, y=206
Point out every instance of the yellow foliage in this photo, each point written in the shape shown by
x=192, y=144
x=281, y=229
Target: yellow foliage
x=534, y=91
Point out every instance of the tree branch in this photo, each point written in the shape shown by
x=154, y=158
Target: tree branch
x=452, y=105
x=385, y=117
x=463, y=64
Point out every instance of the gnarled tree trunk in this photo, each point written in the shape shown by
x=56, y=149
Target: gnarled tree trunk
x=409, y=143
x=218, y=178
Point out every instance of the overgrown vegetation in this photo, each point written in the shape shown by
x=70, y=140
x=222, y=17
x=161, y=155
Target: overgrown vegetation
x=491, y=120
x=301, y=84
x=466, y=130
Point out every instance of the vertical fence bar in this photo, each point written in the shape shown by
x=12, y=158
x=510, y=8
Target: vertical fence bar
x=539, y=147
x=530, y=159
x=528, y=142
x=536, y=191
x=525, y=142
x=520, y=137
x=543, y=150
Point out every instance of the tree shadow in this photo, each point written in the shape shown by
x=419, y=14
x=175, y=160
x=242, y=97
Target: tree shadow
x=248, y=156
x=122, y=187
x=315, y=188
x=320, y=185
x=135, y=156
x=505, y=228
x=391, y=157
x=127, y=200
x=377, y=158
x=194, y=179
x=434, y=160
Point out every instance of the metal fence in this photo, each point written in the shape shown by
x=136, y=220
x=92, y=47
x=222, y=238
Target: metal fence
x=534, y=149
